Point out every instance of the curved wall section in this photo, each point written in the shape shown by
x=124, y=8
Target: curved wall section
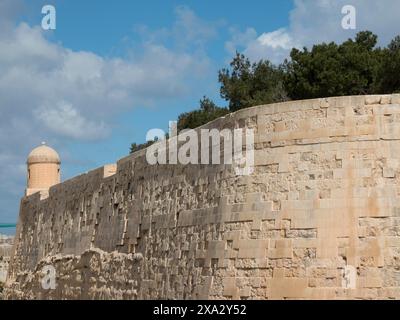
x=318, y=218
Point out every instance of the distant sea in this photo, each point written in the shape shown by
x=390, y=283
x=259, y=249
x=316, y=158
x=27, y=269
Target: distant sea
x=8, y=231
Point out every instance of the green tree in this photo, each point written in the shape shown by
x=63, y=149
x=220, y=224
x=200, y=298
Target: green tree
x=246, y=84
x=208, y=111
x=350, y=68
x=136, y=147
x=389, y=75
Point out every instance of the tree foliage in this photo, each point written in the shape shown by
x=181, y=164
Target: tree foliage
x=389, y=75
x=248, y=84
x=350, y=68
x=139, y=146
x=208, y=111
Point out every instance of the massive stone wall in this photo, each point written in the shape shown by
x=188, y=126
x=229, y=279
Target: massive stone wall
x=318, y=218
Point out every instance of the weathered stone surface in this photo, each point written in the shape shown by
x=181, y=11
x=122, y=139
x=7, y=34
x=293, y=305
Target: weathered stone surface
x=5, y=254
x=324, y=197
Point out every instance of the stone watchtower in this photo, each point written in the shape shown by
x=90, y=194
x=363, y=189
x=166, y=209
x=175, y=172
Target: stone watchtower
x=43, y=169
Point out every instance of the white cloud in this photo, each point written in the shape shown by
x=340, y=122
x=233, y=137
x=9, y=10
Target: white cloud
x=276, y=39
x=240, y=39
x=35, y=72
x=64, y=119
x=315, y=21
x=273, y=45
x=191, y=29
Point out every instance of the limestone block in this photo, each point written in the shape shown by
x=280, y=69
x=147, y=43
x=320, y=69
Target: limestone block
x=305, y=243
x=389, y=173
x=280, y=126
x=386, y=99
x=279, y=288
x=369, y=282
x=392, y=242
x=256, y=225
x=230, y=288
x=283, y=243
x=386, y=110
x=373, y=99
x=253, y=249
x=284, y=165
x=233, y=237
x=280, y=253
x=395, y=98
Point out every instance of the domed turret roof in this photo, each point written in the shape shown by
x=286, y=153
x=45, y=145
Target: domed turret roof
x=43, y=154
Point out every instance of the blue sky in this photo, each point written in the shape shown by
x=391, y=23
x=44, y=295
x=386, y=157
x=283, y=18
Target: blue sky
x=112, y=70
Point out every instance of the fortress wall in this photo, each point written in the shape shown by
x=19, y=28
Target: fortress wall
x=323, y=200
